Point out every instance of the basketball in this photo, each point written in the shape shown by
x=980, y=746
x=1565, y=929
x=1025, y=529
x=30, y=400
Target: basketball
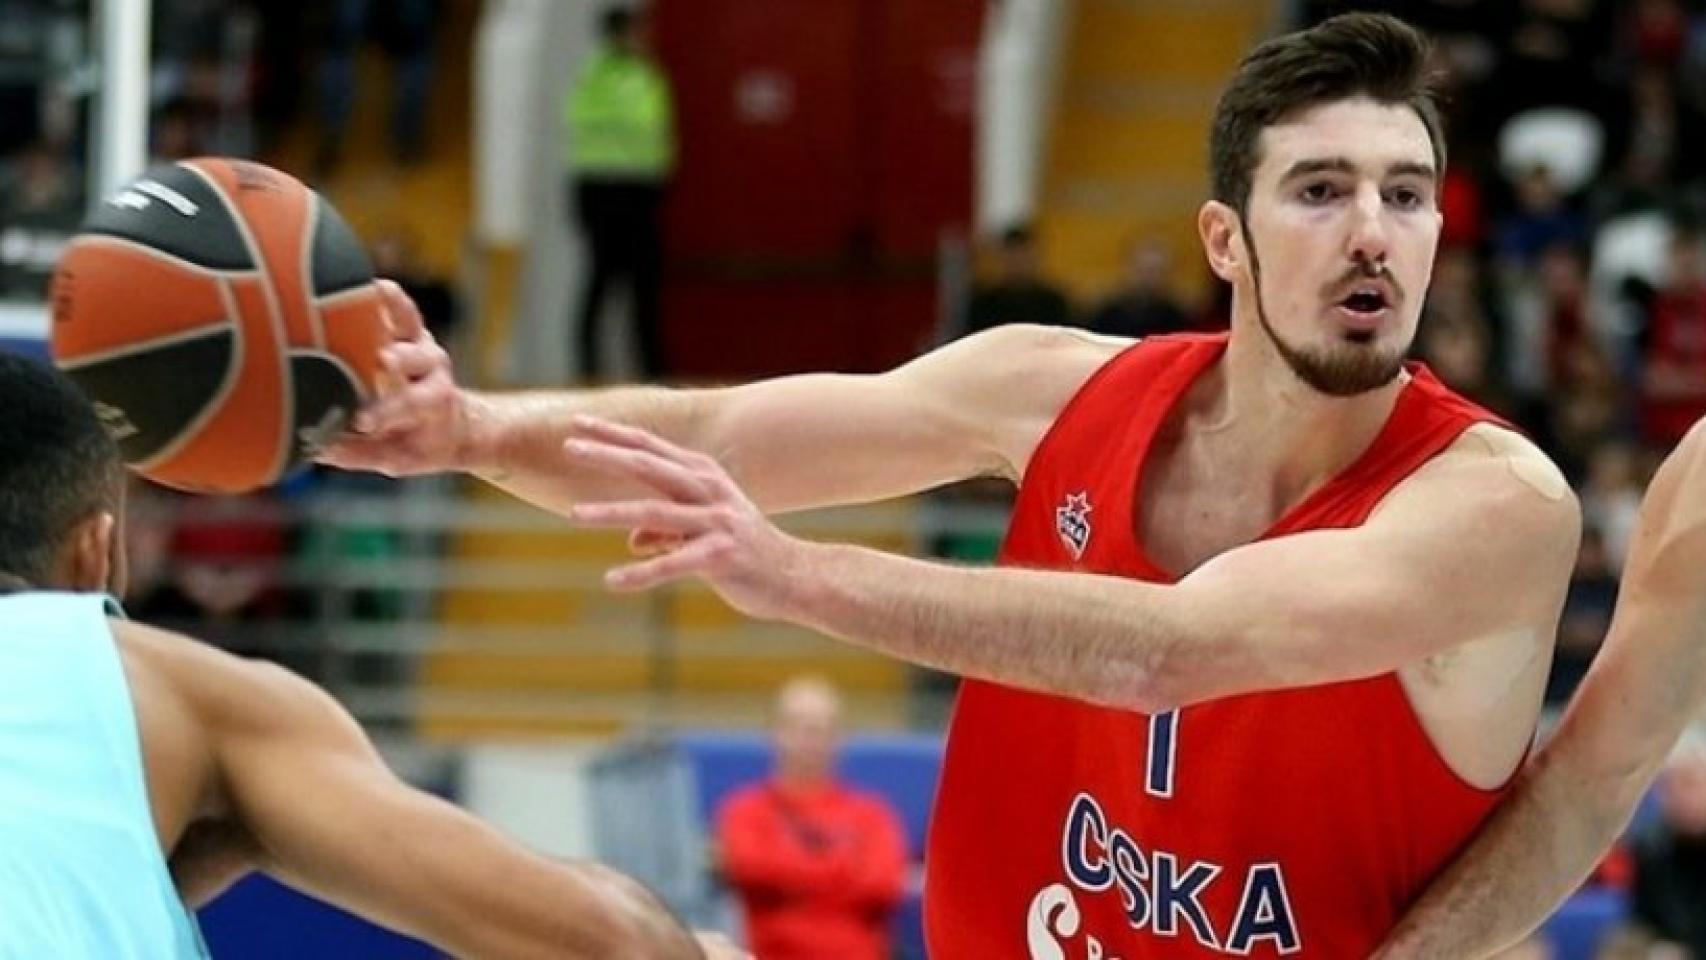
x=224, y=320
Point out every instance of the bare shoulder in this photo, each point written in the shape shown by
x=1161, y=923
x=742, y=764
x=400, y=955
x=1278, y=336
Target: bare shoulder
x=1059, y=357
x=1011, y=382
x=223, y=690
x=1499, y=478
x=1688, y=458
x=1530, y=467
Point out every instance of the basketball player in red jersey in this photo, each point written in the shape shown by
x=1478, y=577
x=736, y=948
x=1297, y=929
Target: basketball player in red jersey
x=1273, y=615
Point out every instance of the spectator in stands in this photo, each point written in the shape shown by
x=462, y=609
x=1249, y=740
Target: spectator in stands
x=1656, y=32
x=1458, y=330
x=1542, y=219
x=1018, y=292
x=1548, y=51
x=1653, y=136
x=819, y=866
x=178, y=132
x=41, y=204
x=405, y=30
x=1673, y=387
x=1611, y=496
x=1586, y=617
x=1588, y=410
x=1548, y=323
x=150, y=518
x=621, y=119
x=225, y=563
x=1670, y=862
x=1146, y=305
x=1457, y=350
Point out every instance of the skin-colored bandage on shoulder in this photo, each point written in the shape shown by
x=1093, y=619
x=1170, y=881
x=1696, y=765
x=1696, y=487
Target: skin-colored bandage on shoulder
x=1540, y=477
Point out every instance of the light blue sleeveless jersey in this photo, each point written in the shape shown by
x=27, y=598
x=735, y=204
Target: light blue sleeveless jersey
x=81, y=873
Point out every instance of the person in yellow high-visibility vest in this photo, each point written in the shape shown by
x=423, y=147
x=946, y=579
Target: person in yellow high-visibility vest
x=621, y=152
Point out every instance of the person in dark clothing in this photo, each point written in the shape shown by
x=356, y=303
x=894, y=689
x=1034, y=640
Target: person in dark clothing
x=621, y=118
x=1587, y=617
x=1019, y=292
x=1144, y=306
x=1670, y=862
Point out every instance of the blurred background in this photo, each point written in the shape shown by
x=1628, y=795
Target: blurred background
x=704, y=191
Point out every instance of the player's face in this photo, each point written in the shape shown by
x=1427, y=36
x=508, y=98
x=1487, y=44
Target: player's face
x=807, y=728
x=1341, y=229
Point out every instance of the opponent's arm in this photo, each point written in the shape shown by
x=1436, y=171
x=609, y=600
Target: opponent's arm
x=794, y=442
x=326, y=816
x=1474, y=547
x=1647, y=682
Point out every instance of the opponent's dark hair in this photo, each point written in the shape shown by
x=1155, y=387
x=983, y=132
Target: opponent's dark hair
x=1351, y=55
x=58, y=466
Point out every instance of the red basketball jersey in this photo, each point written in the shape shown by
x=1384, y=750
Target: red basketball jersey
x=1291, y=822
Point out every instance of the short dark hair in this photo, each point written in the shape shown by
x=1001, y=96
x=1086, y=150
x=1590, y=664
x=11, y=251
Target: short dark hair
x=1016, y=236
x=616, y=22
x=57, y=465
x=1350, y=55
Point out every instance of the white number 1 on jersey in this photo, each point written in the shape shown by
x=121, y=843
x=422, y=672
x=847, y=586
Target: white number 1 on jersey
x=1163, y=748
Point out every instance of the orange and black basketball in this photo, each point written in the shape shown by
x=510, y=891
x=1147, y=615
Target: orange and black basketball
x=224, y=320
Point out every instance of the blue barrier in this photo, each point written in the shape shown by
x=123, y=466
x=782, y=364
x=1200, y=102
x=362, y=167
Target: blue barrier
x=29, y=347
x=1584, y=920
x=261, y=919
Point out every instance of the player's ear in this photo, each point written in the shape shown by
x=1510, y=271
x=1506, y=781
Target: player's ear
x=86, y=564
x=1222, y=239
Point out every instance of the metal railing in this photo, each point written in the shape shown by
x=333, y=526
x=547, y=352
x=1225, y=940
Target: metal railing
x=363, y=622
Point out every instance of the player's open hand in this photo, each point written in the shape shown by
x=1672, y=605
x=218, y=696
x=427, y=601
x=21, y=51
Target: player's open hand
x=700, y=523
x=421, y=422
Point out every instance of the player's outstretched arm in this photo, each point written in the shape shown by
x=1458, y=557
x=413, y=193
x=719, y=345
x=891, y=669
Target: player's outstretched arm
x=1477, y=546
x=326, y=815
x=1647, y=682
x=794, y=442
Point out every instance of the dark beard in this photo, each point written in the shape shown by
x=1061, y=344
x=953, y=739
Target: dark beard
x=1354, y=368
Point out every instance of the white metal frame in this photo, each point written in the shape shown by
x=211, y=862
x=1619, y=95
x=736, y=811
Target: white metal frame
x=121, y=117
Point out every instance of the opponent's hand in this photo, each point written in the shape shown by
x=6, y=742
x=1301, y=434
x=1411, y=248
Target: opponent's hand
x=719, y=947
x=420, y=422
x=701, y=524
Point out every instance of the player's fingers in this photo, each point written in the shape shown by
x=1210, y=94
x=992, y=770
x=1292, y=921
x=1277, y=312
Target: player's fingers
x=427, y=402
x=658, y=515
x=668, y=478
x=415, y=360
x=357, y=452
x=646, y=574
x=405, y=317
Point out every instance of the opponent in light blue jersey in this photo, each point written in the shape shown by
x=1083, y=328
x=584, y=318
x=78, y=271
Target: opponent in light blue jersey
x=82, y=873
x=120, y=743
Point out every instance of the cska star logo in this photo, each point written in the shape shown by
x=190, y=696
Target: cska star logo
x=1072, y=522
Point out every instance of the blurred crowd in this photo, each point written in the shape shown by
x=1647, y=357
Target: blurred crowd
x=227, y=78
x=261, y=574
